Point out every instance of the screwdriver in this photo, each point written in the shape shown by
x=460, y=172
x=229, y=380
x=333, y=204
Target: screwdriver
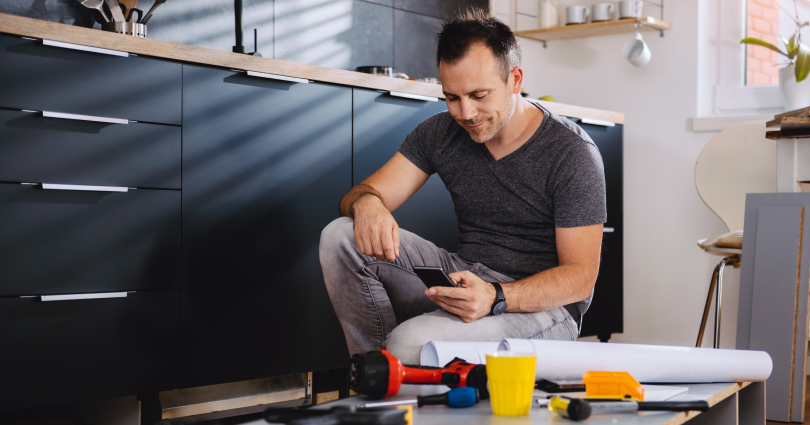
x=457, y=397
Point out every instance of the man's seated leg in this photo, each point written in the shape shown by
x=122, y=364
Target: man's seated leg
x=407, y=339
x=370, y=296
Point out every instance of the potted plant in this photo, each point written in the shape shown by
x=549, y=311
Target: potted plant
x=792, y=78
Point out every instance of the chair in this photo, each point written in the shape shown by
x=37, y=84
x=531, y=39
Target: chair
x=737, y=161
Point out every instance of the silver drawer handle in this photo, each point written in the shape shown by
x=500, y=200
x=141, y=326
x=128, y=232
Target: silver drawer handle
x=64, y=116
x=608, y=230
x=84, y=48
x=597, y=122
x=81, y=187
x=71, y=297
x=277, y=77
x=413, y=96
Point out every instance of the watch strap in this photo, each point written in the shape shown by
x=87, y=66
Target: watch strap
x=499, y=306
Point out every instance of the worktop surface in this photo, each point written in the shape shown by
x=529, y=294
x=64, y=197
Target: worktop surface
x=34, y=28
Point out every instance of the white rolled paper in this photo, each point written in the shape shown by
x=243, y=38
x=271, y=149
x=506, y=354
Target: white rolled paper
x=439, y=353
x=646, y=363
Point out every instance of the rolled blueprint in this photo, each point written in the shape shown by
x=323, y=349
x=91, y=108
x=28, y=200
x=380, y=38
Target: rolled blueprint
x=439, y=353
x=647, y=363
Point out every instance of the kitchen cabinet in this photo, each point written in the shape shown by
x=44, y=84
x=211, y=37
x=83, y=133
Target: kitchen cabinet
x=71, y=350
x=265, y=163
x=381, y=122
x=606, y=313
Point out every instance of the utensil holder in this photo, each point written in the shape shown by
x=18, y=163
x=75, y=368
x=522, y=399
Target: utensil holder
x=127, y=28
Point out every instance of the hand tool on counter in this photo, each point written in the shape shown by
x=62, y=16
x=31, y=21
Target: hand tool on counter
x=115, y=10
x=457, y=397
x=578, y=409
x=379, y=374
x=336, y=416
x=97, y=5
x=148, y=15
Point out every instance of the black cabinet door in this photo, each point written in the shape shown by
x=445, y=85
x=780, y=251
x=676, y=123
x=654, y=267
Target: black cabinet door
x=38, y=149
x=63, y=351
x=265, y=163
x=62, y=241
x=606, y=313
x=39, y=77
x=381, y=123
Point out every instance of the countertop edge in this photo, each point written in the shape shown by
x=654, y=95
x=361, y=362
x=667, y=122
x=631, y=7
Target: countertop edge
x=35, y=28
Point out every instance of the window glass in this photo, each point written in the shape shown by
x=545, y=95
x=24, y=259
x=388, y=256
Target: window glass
x=767, y=21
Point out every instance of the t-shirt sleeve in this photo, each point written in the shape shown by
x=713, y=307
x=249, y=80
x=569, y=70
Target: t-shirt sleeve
x=419, y=145
x=579, y=188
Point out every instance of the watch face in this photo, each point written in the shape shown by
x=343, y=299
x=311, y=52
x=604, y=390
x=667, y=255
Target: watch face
x=499, y=308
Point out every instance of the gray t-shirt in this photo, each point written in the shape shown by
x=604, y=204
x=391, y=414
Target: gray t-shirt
x=507, y=210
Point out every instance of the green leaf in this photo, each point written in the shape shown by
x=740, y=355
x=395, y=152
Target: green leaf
x=791, y=47
x=759, y=42
x=802, y=63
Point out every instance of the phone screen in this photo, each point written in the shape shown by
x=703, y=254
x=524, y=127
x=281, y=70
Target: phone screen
x=433, y=276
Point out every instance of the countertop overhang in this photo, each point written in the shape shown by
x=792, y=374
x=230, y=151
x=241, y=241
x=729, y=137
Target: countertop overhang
x=35, y=28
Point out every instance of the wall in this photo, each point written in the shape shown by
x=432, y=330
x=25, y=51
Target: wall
x=335, y=33
x=666, y=274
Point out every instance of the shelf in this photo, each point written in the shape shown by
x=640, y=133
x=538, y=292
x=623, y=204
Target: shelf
x=622, y=26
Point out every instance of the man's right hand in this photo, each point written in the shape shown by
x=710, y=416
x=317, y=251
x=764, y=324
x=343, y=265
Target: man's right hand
x=375, y=229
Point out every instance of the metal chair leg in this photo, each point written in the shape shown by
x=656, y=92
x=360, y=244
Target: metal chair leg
x=717, y=280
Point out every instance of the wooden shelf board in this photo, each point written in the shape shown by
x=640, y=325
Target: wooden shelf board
x=622, y=26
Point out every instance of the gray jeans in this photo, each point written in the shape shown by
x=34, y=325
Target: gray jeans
x=381, y=304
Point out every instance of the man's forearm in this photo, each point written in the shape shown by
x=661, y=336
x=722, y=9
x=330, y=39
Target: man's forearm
x=353, y=195
x=549, y=289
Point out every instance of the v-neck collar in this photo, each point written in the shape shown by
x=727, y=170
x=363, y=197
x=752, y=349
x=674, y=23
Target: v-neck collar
x=491, y=159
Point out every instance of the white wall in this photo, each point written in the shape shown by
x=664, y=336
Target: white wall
x=666, y=274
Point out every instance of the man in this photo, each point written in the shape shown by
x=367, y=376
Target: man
x=528, y=189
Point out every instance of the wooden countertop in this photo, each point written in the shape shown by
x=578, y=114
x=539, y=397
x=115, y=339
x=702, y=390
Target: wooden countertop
x=34, y=28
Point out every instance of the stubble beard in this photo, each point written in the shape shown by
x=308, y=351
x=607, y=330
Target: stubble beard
x=484, y=134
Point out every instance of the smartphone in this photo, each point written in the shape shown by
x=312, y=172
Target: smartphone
x=433, y=276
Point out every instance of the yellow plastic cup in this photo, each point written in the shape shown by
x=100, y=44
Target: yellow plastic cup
x=511, y=382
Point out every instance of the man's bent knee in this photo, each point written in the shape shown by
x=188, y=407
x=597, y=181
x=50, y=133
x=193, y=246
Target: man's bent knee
x=406, y=342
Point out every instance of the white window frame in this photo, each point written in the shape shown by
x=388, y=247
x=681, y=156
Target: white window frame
x=733, y=94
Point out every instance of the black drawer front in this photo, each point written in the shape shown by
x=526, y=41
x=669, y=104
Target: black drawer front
x=55, y=242
x=38, y=77
x=62, y=351
x=38, y=149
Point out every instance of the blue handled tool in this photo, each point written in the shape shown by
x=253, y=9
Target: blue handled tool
x=457, y=397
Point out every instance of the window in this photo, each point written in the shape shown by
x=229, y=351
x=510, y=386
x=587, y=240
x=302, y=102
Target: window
x=749, y=75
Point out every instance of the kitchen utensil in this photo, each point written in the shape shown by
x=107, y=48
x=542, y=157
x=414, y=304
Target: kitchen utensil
x=127, y=28
x=576, y=15
x=629, y=9
x=637, y=52
x=148, y=15
x=140, y=15
x=95, y=4
x=387, y=71
x=129, y=4
x=115, y=10
x=602, y=12
x=547, y=14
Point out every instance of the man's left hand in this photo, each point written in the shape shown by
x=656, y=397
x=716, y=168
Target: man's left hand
x=470, y=300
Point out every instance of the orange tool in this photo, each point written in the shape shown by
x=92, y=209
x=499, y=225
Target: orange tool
x=618, y=385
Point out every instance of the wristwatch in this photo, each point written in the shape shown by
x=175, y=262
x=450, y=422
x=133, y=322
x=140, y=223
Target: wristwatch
x=499, y=306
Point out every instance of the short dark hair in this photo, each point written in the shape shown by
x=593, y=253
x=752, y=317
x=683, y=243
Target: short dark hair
x=476, y=25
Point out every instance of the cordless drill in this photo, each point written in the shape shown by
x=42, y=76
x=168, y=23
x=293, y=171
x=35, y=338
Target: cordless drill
x=378, y=374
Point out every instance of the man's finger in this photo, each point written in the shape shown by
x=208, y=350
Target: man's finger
x=396, y=238
x=363, y=241
x=457, y=293
x=388, y=244
x=376, y=243
x=461, y=313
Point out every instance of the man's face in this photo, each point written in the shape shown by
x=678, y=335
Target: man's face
x=477, y=97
